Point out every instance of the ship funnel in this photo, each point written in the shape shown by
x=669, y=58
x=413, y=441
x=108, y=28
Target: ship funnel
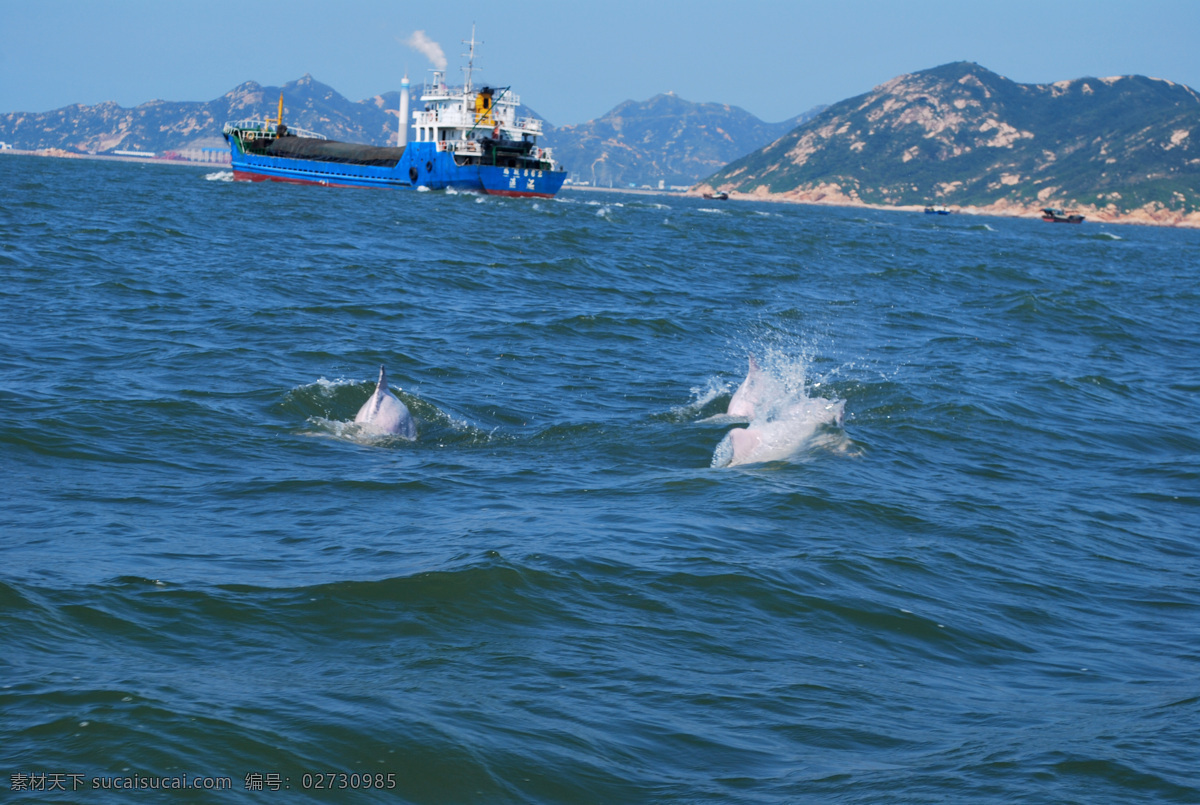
x=402, y=123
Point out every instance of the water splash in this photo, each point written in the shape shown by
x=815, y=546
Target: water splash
x=329, y=407
x=782, y=419
x=219, y=176
x=702, y=397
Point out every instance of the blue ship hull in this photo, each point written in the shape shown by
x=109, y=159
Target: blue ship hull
x=420, y=165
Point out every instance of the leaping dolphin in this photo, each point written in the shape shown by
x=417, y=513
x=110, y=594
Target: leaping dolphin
x=782, y=434
x=384, y=413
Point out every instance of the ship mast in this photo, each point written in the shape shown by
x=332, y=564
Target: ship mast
x=470, y=59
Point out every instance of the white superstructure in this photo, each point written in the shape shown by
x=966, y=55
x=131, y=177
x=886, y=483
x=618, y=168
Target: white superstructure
x=458, y=118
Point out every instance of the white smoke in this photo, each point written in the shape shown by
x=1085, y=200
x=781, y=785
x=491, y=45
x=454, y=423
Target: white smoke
x=427, y=47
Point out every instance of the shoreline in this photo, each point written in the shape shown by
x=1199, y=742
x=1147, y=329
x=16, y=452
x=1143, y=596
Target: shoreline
x=110, y=158
x=832, y=196
x=1001, y=209
x=829, y=196
x=640, y=191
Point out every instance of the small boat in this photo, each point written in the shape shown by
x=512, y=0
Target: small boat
x=1060, y=217
x=936, y=209
x=720, y=195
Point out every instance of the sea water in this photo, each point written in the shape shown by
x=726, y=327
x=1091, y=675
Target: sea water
x=981, y=583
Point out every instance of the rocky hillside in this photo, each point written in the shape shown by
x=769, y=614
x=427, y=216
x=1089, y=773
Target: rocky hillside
x=663, y=139
x=962, y=135
x=168, y=125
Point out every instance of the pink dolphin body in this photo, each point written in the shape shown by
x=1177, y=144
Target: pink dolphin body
x=780, y=422
x=384, y=413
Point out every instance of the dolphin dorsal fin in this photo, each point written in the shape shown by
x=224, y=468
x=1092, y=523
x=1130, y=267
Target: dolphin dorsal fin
x=383, y=386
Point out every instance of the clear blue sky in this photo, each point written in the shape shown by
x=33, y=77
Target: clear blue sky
x=573, y=61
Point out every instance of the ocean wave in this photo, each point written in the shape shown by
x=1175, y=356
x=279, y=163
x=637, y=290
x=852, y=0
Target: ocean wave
x=552, y=595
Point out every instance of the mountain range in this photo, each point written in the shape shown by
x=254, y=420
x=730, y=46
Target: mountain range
x=1120, y=148
x=664, y=140
x=959, y=134
x=177, y=125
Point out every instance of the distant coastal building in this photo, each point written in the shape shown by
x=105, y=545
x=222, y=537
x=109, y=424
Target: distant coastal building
x=213, y=155
x=5, y=146
x=217, y=156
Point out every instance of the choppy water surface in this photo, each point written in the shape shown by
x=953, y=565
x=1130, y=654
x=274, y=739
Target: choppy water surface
x=981, y=584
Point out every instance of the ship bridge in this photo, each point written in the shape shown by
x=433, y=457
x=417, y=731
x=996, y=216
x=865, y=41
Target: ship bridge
x=459, y=118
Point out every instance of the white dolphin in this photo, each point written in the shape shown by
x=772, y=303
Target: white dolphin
x=780, y=421
x=384, y=413
x=780, y=432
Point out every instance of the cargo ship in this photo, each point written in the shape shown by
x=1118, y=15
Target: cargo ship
x=465, y=138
